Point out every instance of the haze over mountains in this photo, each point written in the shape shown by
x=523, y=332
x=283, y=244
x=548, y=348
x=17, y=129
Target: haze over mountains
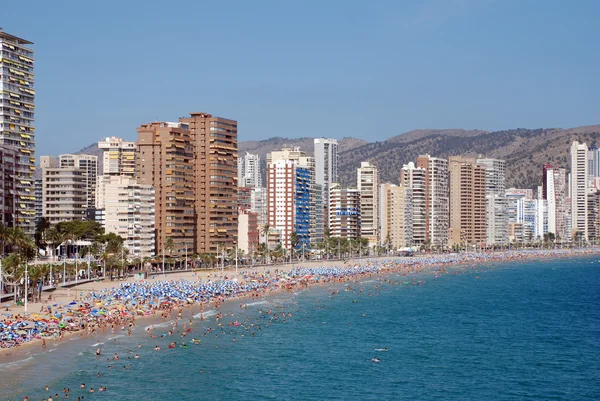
x=525, y=150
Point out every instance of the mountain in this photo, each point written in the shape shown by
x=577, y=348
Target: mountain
x=525, y=150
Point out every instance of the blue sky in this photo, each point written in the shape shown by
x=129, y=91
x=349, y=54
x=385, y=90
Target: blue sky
x=370, y=70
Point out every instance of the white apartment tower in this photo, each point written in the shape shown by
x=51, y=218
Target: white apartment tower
x=367, y=182
x=414, y=181
x=326, y=164
x=554, y=191
x=88, y=164
x=129, y=213
x=118, y=157
x=437, y=199
x=64, y=191
x=496, y=202
x=249, y=175
x=579, y=189
x=17, y=128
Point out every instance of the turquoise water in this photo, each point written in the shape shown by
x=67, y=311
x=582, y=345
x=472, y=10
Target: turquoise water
x=520, y=331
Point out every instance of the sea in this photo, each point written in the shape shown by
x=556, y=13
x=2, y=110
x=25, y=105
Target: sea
x=505, y=331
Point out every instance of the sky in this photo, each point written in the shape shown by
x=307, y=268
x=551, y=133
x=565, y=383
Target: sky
x=364, y=69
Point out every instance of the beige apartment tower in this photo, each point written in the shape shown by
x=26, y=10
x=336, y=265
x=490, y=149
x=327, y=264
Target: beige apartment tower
x=165, y=161
x=436, y=200
x=367, y=182
x=467, y=202
x=214, y=141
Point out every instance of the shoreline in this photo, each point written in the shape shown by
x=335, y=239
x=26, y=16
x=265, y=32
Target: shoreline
x=276, y=279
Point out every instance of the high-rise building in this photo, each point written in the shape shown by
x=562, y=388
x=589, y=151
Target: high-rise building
x=593, y=163
x=367, y=182
x=344, y=211
x=249, y=175
x=248, y=232
x=129, y=213
x=593, y=211
x=9, y=162
x=395, y=216
x=414, y=181
x=579, y=190
x=326, y=165
x=118, y=157
x=165, y=161
x=17, y=128
x=215, y=156
x=89, y=164
x=495, y=193
x=64, y=191
x=258, y=204
x=437, y=217
x=467, y=202
x=289, y=184
x=554, y=191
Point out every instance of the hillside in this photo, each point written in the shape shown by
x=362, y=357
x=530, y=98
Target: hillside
x=525, y=150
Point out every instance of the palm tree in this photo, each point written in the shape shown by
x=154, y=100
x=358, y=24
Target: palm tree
x=169, y=247
x=5, y=233
x=266, y=230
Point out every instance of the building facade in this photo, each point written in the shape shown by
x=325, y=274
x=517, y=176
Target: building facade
x=395, y=216
x=468, y=219
x=215, y=156
x=555, y=192
x=118, y=157
x=249, y=174
x=326, y=165
x=367, y=183
x=437, y=217
x=165, y=161
x=497, y=218
x=17, y=124
x=64, y=191
x=344, y=218
x=129, y=213
x=9, y=164
x=579, y=190
x=89, y=165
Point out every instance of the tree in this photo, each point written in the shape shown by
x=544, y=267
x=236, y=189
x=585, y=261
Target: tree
x=40, y=233
x=168, y=249
x=294, y=241
x=266, y=230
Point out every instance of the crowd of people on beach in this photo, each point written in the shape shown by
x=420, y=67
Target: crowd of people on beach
x=121, y=305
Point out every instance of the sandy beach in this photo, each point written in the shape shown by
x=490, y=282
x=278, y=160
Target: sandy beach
x=253, y=282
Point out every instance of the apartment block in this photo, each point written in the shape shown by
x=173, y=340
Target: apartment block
x=258, y=204
x=249, y=175
x=17, y=127
x=555, y=192
x=248, y=232
x=367, y=182
x=395, y=216
x=579, y=189
x=495, y=193
x=165, y=161
x=414, y=181
x=118, y=157
x=129, y=213
x=344, y=212
x=326, y=165
x=9, y=161
x=88, y=164
x=215, y=157
x=467, y=202
x=64, y=191
x=436, y=200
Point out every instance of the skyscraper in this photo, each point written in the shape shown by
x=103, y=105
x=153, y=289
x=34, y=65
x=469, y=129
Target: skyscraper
x=215, y=159
x=344, y=212
x=89, y=164
x=467, y=202
x=437, y=203
x=17, y=128
x=165, y=161
x=395, y=216
x=554, y=191
x=249, y=175
x=326, y=164
x=579, y=190
x=497, y=204
x=413, y=180
x=9, y=161
x=367, y=182
x=289, y=184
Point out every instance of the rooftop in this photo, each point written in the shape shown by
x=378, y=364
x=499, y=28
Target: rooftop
x=17, y=40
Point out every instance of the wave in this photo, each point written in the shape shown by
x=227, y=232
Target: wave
x=19, y=362
x=257, y=303
x=206, y=314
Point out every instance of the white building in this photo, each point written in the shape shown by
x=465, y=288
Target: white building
x=258, y=204
x=129, y=213
x=579, y=189
x=437, y=199
x=64, y=191
x=367, y=182
x=89, y=164
x=249, y=175
x=555, y=193
x=326, y=165
x=414, y=180
x=118, y=157
x=496, y=203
